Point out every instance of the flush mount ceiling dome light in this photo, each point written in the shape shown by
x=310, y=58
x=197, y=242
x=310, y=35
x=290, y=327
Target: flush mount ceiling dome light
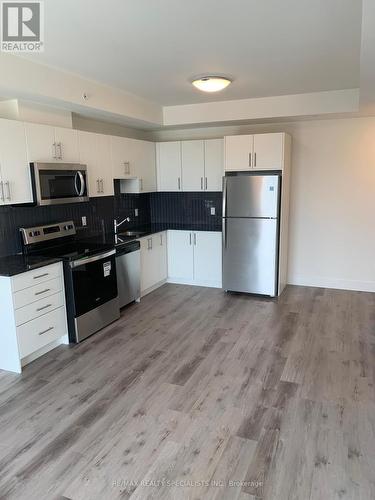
x=211, y=83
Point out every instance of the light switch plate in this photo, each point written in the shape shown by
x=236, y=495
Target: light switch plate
x=213, y=211
x=84, y=221
x=136, y=212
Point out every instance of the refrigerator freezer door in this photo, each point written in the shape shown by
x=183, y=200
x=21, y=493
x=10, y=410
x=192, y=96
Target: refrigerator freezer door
x=250, y=255
x=251, y=196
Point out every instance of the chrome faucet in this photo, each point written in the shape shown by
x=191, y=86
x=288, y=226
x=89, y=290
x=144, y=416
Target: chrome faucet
x=118, y=224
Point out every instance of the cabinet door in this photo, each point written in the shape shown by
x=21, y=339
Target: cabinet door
x=169, y=166
x=40, y=143
x=14, y=167
x=67, y=144
x=208, y=258
x=192, y=154
x=146, y=263
x=180, y=256
x=213, y=164
x=104, y=170
x=146, y=168
x=122, y=153
x=89, y=157
x=238, y=152
x=159, y=243
x=268, y=151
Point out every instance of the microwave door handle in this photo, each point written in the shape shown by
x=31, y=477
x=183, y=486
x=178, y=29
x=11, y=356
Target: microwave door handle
x=82, y=181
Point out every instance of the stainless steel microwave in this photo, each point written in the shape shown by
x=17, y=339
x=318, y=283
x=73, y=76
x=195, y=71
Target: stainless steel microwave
x=56, y=183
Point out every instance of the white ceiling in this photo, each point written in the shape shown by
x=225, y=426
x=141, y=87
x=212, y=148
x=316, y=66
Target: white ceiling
x=153, y=47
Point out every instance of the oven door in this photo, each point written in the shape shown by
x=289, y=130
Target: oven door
x=94, y=282
x=59, y=183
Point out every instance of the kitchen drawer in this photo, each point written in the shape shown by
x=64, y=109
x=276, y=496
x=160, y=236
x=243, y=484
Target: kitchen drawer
x=30, y=295
x=31, y=278
x=41, y=331
x=39, y=308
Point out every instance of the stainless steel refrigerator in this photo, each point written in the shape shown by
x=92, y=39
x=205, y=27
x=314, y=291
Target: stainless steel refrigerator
x=251, y=207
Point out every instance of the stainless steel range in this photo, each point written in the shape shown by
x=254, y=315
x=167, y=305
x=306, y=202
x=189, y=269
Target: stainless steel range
x=89, y=273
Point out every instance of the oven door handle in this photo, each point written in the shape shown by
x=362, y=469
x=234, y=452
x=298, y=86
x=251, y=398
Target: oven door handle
x=88, y=260
x=82, y=181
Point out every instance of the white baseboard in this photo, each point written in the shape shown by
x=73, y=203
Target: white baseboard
x=209, y=284
x=324, y=282
x=152, y=288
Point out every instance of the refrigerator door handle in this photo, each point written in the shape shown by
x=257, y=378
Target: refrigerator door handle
x=224, y=196
x=225, y=233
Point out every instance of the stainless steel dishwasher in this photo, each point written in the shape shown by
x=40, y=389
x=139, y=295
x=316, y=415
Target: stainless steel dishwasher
x=128, y=270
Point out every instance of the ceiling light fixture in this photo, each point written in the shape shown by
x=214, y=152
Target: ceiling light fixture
x=211, y=83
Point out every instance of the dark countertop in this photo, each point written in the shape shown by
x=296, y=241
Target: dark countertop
x=12, y=265
x=148, y=229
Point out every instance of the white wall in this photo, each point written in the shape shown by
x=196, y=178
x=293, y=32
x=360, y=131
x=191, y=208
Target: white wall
x=332, y=219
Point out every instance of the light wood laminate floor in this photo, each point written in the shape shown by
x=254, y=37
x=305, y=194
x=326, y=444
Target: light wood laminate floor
x=198, y=394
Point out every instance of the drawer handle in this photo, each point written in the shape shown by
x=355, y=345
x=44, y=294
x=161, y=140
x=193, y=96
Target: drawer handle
x=40, y=276
x=42, y=291
x=44, y=307
x=46, y=331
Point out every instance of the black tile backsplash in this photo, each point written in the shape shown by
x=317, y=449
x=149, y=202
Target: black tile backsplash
x=153, y=208
x=186, y=208
x=99, y=213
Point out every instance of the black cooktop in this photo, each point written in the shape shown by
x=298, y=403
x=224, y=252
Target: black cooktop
x=73, y=250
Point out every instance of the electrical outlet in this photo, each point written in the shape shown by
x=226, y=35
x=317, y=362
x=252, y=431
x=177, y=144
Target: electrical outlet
x=136, y=212
x=213, y=211
x=84, y=221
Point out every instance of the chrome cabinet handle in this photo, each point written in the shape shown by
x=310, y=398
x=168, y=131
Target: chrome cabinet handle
x=97, y=186
x=40, y=276
x=205, y=183
x=54, y=151
x=60, y=156
x=161, y=239
x=179, y=183
x=249, y=159
x=190, y=238
x=44, y=307
x=149, y=244
x=195, y=239
x=7, y=185
x=141, y=184
x=102, y=184
x=202, y=183
x=2, y=190
x=46, y=331
x=42, y=291
x=255, y=159
x=127, y=167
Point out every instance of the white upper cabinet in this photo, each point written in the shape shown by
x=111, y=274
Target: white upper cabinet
x=192, y=153
x=133, y=158
x=238, y=152
x=190, y=165
x=50, y=144
x=213, y=164
x=268, y=151
x=67, y=144
x=122, y=155
x=144, y=155
x=41, y=144
x=95, y=152
x=169, y=169
x=254, y=152
x=15, y=180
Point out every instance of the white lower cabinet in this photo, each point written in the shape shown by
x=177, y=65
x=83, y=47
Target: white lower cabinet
x=33, y=315
x=153, y=261
x=194, y=257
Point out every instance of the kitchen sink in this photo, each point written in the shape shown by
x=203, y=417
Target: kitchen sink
x=133, y=233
